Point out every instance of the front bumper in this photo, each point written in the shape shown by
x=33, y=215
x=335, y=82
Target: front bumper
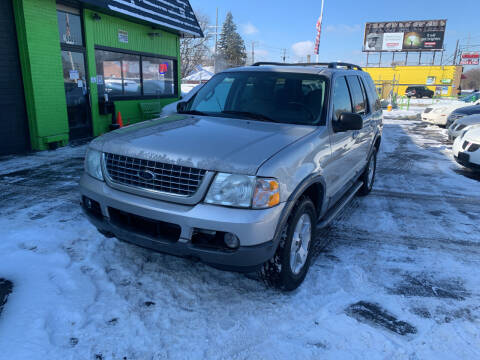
x=434, y=118
x=255, y=228
x=464, y=159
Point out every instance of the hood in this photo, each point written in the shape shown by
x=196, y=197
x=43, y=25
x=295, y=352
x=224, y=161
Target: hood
x=210, y=143
x=468, y=110
x=473, y=135
x=469, y=120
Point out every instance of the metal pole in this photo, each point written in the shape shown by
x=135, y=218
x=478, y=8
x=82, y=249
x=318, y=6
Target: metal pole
x=455, y=55
x=420, y=58
x=216, y=37
x=367, y=58
x=433, y=60
x=253, y=52
x=380, y=60
x=393, y=58
x=441, y=58
x=406, y=58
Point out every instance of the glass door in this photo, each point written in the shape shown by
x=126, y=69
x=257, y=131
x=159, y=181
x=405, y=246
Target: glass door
x=76, y=92
x=74, y=72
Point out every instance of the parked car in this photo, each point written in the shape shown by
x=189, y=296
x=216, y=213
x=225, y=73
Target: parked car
x=466, y=149
x=472, y=97
x=438, y=114
x=461, y=112
x=462, y=125
x=172, y=107
x=246, y=172
x=419, y=92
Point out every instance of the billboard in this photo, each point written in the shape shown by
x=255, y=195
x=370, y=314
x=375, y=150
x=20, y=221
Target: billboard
x=470, y=58
x=424, y=35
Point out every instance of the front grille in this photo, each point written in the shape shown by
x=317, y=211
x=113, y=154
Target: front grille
x=162, y=177
x=473, y=147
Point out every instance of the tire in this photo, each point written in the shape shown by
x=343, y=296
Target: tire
x=288, y=267
x=368, y=176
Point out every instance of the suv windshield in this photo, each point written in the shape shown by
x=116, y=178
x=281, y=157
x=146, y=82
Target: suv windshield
x=264, y=96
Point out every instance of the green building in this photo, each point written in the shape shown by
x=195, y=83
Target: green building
x=67, y=68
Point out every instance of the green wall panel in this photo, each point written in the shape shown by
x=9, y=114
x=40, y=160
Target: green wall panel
x=40, y=58
x=104, y=32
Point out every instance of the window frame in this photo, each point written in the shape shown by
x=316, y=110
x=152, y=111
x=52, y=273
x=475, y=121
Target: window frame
x=141, y=55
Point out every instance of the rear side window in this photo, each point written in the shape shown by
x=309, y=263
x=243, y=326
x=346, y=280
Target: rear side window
x=341, y=98
x=358, y=99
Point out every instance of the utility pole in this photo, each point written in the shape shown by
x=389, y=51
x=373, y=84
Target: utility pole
x=284, y=57
x=216, y=32
x=456, y=52
x=253, y=52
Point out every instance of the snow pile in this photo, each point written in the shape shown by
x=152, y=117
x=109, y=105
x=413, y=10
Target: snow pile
x=401, y=114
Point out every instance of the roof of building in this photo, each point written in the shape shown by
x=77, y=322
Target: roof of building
x=174, y=15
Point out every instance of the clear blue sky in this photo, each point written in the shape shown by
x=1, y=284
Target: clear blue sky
x=281, y=24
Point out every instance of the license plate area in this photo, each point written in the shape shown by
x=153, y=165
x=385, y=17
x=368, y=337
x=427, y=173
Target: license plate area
x=464, y=157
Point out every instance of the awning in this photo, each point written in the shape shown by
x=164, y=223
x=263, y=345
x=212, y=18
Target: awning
x=174, y=15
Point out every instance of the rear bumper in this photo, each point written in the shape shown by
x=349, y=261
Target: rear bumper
x=255, y=229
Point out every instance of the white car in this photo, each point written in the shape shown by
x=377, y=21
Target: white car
x=172, y=107
x=438, y=114
x=462, y=125
x=466, y=149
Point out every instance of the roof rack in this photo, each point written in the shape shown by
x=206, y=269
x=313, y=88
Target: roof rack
x=330, y=65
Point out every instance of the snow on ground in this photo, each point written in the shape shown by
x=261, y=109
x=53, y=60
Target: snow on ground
x=397, y=280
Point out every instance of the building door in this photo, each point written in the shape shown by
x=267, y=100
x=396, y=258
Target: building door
x=76, y=92
x=74, y=72
x=14, y=137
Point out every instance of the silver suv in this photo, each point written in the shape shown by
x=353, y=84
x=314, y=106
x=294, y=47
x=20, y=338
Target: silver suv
x=245, y=172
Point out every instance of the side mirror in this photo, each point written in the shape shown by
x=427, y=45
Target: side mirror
x=348, y=121
x=181, y=107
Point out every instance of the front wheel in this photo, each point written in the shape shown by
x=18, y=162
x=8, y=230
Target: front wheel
x=289, y=266
x=368, y=176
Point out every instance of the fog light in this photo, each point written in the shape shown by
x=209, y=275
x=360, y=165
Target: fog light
x=88, y=203
x=231, y=240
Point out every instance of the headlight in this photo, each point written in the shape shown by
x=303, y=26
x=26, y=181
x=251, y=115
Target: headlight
x=93, y=164
x=243, y=191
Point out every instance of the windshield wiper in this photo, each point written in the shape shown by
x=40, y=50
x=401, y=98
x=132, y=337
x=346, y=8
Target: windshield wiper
x=193, y=112
x=249, y=114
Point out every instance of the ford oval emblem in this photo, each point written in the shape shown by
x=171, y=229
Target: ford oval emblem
x=146, y=175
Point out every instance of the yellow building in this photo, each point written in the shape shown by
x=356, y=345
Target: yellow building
x=444, y=80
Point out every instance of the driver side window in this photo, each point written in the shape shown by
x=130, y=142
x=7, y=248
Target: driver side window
x=341, y=98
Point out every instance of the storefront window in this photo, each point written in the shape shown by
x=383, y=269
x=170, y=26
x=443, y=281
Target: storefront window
x=69, y=28
x=158, y=76
x=118, y=73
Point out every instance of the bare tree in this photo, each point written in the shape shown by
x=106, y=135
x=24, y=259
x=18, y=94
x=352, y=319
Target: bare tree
x=195, y=51
x=472, y=79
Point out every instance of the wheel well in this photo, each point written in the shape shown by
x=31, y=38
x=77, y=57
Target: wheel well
x=315, y=193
